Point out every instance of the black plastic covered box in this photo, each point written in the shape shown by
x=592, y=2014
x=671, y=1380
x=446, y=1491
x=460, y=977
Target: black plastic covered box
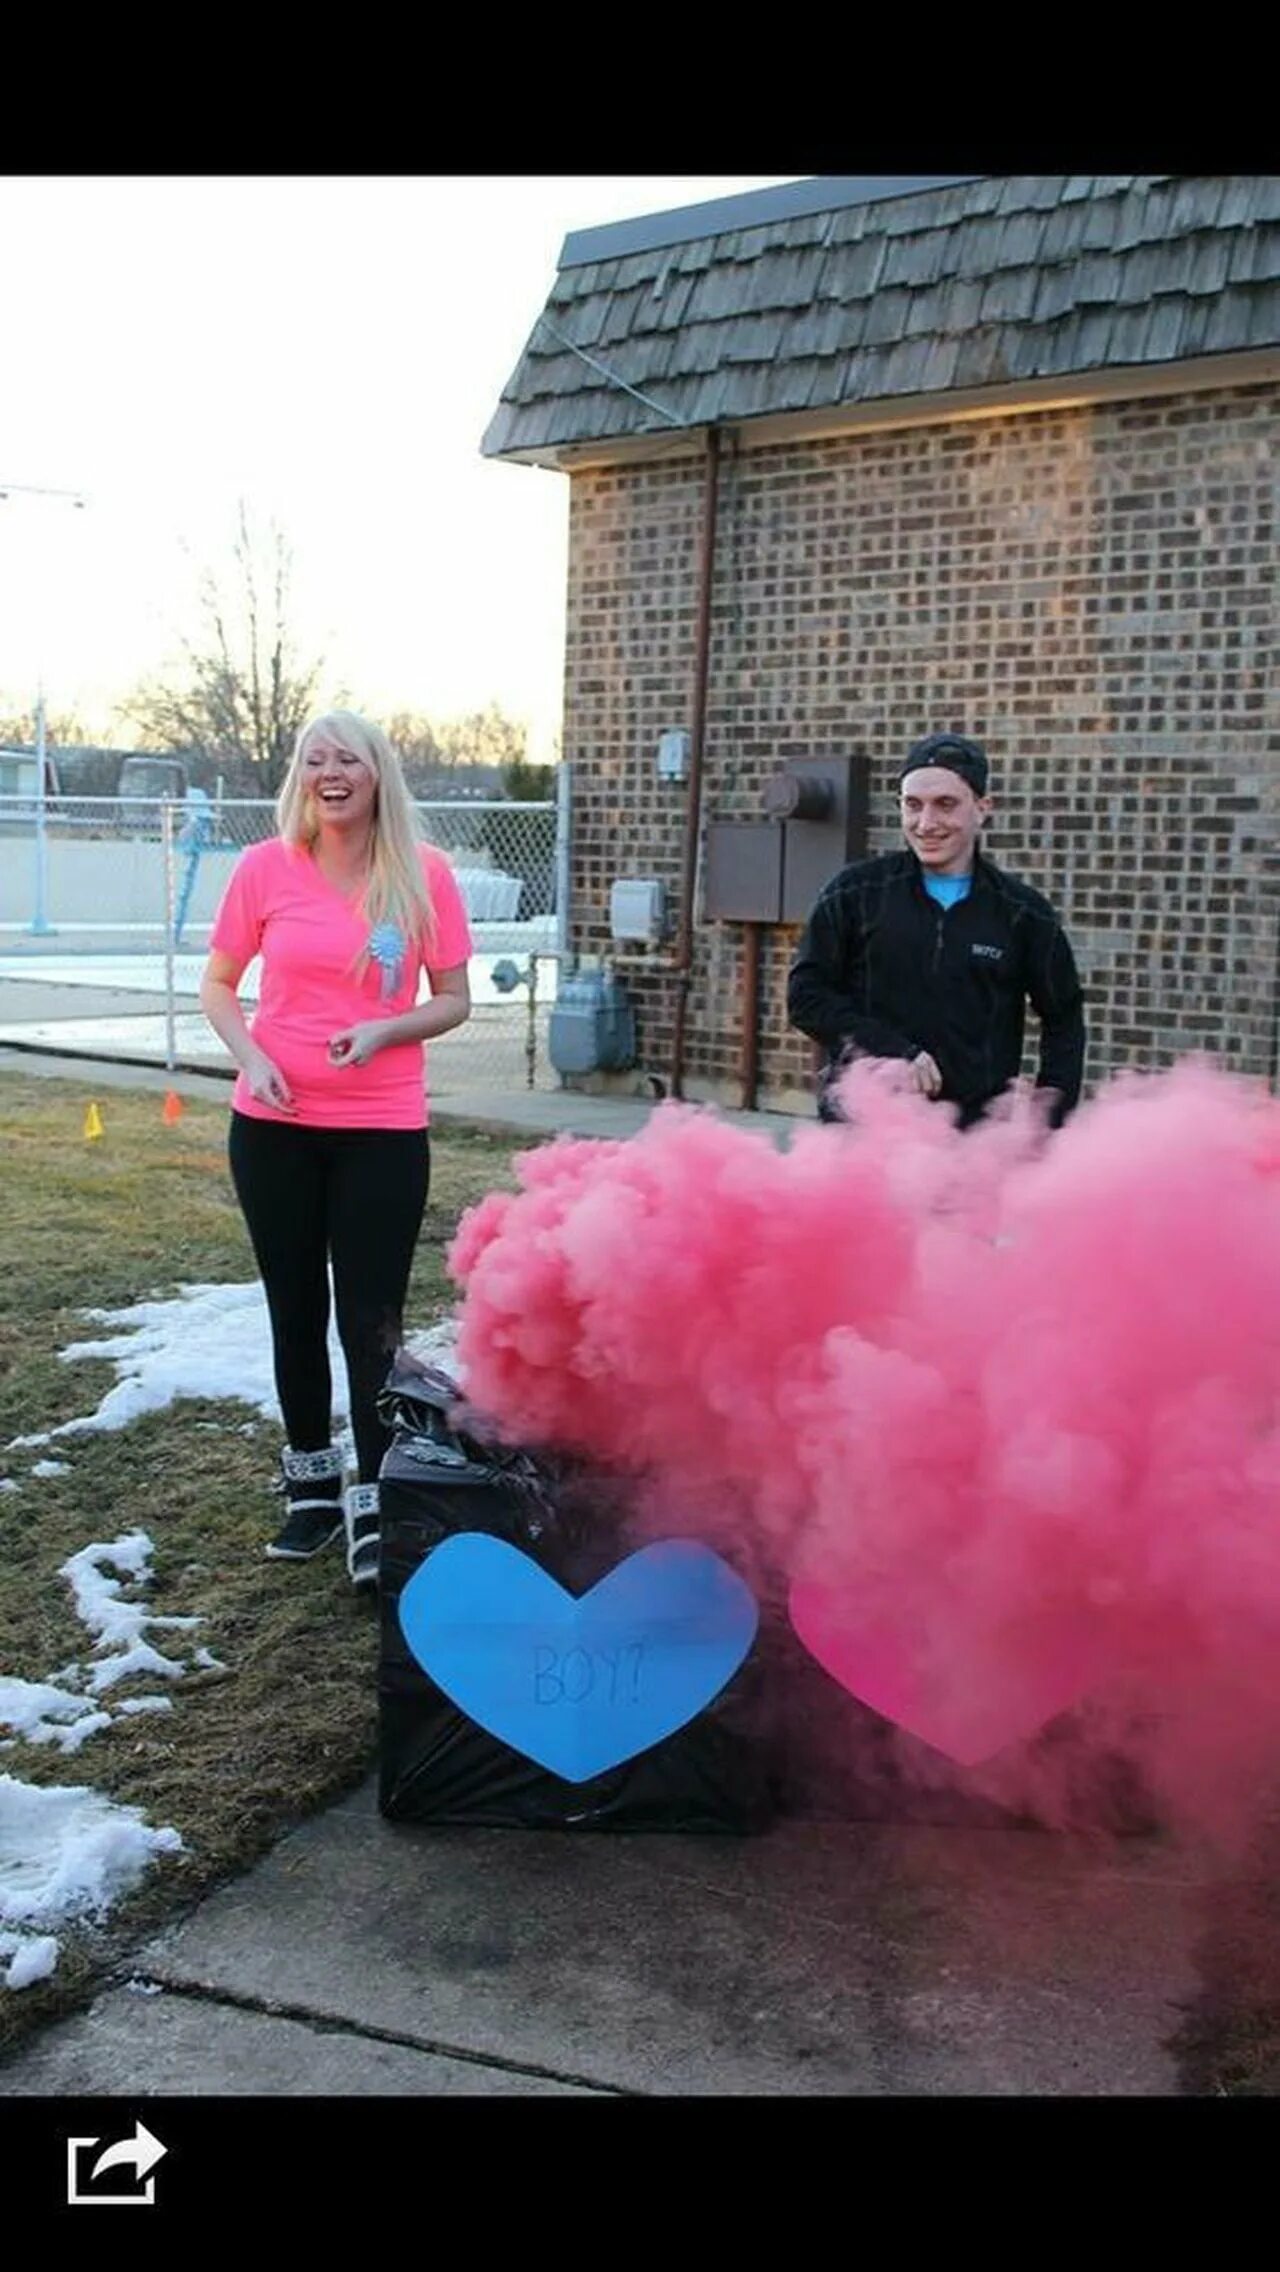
x=440, y=1479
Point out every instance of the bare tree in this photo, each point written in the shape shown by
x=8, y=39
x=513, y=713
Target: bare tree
x=62, y=730
x=483, y=737
x=413, y=739
x=239, y=696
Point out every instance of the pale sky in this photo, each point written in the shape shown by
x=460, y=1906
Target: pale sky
x=330, y=349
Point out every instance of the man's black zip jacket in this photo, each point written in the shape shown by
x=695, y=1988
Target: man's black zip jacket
x=884, y=971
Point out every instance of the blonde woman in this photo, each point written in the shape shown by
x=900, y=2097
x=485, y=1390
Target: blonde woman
x=329, y=1149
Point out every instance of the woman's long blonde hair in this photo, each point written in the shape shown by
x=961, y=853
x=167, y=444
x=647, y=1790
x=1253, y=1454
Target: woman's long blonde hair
x=396, y=891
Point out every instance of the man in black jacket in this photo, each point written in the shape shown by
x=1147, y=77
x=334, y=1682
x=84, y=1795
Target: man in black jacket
x=932, y=954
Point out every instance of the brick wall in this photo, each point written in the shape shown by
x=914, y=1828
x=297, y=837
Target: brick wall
x=1090, y=592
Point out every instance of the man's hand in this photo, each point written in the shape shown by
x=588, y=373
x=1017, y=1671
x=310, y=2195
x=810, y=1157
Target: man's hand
x=926, y=1076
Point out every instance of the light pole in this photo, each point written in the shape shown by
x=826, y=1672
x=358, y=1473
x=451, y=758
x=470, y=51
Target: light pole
x=40, y=925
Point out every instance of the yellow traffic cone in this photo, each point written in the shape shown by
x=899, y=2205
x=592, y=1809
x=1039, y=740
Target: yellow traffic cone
x=92, y=1123
x=172, y=1107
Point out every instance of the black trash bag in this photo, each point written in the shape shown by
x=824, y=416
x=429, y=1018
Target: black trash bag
x=441, y=1476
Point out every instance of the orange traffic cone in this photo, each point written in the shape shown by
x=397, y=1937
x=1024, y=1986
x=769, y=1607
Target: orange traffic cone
x=172, y=1107
x=92, y=1123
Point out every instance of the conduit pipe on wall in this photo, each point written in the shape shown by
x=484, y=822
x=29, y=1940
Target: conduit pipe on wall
x=697, y=728
x=752, y=945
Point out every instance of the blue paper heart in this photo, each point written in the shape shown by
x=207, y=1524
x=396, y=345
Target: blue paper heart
x=577, y=1685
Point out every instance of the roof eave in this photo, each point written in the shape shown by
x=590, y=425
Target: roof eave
x=1059, y=391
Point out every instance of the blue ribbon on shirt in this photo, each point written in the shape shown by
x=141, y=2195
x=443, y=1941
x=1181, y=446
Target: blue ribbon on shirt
x=386, y=948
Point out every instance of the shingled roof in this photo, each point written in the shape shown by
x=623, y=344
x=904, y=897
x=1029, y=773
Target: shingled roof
x=879, y=294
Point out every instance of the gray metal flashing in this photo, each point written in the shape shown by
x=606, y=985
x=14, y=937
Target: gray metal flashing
x=755, y=208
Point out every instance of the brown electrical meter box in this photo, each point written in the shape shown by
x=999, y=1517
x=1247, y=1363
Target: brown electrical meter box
x=771, y=871
x=742, y=871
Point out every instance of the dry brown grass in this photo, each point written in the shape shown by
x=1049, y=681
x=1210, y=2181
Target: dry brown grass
x=246, y=1753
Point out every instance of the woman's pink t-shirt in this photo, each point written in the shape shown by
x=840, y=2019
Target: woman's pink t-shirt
x=277, y=904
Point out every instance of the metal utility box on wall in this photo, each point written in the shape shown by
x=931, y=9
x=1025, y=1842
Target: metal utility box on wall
x=742, y=872
x=771, y=871
x=638, y=909
x=673, y=754
x=820, y=833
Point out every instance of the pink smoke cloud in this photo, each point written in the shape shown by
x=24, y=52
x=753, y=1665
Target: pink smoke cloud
x=993, y=1395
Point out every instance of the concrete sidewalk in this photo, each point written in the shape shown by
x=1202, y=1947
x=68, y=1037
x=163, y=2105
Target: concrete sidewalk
x=817, y=1958
x=362, y=1957
x=121, y=1043
x=526, y=1115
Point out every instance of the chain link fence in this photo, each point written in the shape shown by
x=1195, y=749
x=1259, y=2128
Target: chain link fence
x=106, y=904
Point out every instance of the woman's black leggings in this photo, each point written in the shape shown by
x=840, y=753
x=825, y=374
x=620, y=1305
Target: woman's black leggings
x=352, y=1198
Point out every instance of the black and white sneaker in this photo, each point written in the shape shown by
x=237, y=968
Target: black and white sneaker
x=362, y=1534
x=313, y=1484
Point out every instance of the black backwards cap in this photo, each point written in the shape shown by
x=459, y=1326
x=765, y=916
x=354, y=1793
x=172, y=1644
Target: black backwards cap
x=968, y=759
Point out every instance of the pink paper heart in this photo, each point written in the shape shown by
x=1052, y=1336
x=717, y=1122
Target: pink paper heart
x=971, y=1699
